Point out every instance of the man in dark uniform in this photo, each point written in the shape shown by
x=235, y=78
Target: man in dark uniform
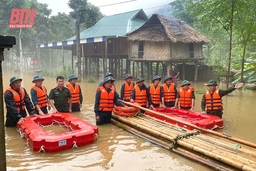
x=211, y=101
x=76, y=93
x=60, y=97
x=16, y=100
x=140, y=94
x=105, y=99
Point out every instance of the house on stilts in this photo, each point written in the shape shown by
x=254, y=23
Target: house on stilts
x=105, y=44
x=165, y=41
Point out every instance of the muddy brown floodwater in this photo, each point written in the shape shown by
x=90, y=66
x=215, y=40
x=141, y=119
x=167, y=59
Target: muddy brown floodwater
x=117, y=149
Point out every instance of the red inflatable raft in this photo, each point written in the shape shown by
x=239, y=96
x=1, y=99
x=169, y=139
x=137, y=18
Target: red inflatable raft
x=196, y=118
x=80, y=132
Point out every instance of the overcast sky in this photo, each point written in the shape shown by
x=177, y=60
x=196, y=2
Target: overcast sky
x=147, y=5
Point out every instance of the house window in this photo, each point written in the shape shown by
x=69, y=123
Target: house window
x=191, y=50
x=141, y=49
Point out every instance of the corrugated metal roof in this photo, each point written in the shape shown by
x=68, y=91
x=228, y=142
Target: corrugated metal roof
x=115, y=25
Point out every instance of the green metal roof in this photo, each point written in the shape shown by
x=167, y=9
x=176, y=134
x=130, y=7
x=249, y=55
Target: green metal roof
x=115, y=25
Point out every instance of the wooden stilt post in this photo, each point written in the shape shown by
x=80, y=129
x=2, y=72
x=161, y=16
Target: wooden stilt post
x=83, y=76
x=128, y=66
x=97, y=67
x=157, y=68
x=148, y=70
x=121, y=68
x=105, y=57
x=196, y=71
x=151, y=69
x=183, y=70
x=142, y=71
x=137, y=69
x=133, y=69
x=89, y=66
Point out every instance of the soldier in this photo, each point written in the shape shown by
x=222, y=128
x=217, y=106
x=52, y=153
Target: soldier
x=170, y=92
x=156, y=92
x=16, y=100
x=126, y=88
x=211, y=101
x=39, y=95
x=185, y=96
x=105, y=99
x=140, y=94
x=76, y=93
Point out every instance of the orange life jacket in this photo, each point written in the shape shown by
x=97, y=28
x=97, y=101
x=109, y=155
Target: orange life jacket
x=41, y=96
x=75, y=92
x=169, y=93
x=18, y=98
x=155, y=93
x=106, y=100
x=140, y=96
x=186, y=97
x=213, y=101
x=128, y=90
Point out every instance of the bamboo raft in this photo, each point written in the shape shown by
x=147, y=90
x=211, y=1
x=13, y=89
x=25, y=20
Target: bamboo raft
x=216, y=152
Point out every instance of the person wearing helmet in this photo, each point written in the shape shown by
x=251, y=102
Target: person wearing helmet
x=170, y=92
x=126, y=88
x=140, y=94
x=17, y=101
x=211, y=101
x=105, y=99
x=39, y=95
x=156, y=92
x=185, y=97
x=76, y=93
x=107, y=74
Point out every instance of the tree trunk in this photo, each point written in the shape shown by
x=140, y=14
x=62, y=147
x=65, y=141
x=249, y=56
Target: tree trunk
x=230, y=42
x=78, y=51
x=242, y=69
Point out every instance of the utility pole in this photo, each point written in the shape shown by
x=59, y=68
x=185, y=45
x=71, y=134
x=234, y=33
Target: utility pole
x=5, y=42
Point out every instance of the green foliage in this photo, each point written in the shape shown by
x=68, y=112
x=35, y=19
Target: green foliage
x=90, y=80
x=65, y=71
x=231, y=27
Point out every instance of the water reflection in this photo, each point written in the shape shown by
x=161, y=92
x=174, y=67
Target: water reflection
x=117, y=149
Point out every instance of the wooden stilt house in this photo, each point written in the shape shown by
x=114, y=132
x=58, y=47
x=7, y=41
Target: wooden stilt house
x=168, y=41
x=104, y=46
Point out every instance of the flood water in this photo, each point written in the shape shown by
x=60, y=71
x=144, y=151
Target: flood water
x=117, y=149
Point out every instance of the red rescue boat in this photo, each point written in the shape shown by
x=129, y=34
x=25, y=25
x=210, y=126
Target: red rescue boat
x=81, y=132
x=195, y=118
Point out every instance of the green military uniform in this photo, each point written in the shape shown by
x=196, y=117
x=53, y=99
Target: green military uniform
x=60, y=98
x=221, y=93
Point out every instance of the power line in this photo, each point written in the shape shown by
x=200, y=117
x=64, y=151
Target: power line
x=116, y=3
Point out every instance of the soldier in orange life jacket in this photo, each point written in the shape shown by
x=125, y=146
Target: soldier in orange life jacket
x=140, y=94
x=39, y=95
x=105, y=99
x=16, y=99
x=76, y=93
x=185, y=96
x=211, y=101
x=107, y=74
x=156, y=92
x=126, y=88
x=170, y=92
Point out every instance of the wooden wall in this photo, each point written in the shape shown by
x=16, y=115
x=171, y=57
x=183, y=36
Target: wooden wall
x=182, y=51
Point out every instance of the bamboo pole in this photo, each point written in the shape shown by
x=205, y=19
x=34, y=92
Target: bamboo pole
x=221, y=152
x=165, y=145
x=194, y=126
x=219, y=157
x=229, y=146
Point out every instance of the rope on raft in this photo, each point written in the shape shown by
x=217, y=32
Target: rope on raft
x=60, y=124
